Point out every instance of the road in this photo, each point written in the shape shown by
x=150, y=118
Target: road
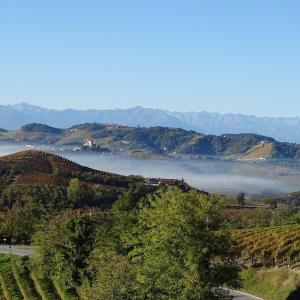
x=27, y=251
x=16, y=250
x=242, y=296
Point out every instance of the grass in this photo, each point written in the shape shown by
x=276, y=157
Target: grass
x=272, y=284
x=259, y=151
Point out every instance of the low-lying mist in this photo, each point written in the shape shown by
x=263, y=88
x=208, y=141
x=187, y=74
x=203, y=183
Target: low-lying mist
x=257, y=180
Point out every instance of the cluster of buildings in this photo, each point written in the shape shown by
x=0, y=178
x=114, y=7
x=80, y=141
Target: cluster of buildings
x=163, y=181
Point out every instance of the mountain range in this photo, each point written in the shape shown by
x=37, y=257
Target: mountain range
x=282, y=129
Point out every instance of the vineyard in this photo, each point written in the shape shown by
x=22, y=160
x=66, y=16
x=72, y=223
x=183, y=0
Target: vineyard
x=38, y=167
x=42, y=179
x=272, y=246
x=40, y=161
x=45, y=177
x=19, y=280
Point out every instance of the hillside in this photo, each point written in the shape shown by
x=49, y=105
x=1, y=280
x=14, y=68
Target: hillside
x=271, y=246
x=34, y=162
x=292, y=199
x=34, y=127
x=155, y=141
x=45, y=177
x=260, y=150
x=282, y=129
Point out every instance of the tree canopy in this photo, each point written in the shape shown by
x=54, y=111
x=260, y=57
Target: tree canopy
x=168, y=247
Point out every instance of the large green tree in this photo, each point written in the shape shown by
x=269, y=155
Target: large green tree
x=166, y=246
x=181, y=255
x=115, y=277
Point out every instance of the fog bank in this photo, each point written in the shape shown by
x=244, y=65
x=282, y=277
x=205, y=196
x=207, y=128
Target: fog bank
x=213, y=176
x=255, y=179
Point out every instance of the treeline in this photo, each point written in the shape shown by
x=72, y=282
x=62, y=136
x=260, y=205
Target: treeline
x=24, y=207
x=242, y=218
x=163, y=246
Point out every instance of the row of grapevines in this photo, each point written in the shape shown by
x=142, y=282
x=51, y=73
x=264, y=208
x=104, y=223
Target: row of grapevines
x=268, y=246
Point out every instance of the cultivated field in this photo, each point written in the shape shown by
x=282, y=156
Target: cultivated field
x=20, y=280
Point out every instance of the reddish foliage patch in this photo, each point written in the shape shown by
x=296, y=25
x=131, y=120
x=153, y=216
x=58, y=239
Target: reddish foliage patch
x=42, y=179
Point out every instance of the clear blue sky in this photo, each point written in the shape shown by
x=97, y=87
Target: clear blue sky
x=223, y=56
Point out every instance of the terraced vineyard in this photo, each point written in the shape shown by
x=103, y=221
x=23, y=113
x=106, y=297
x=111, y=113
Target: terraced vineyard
x=19, y=280
x=46, y=176
x=275, y=246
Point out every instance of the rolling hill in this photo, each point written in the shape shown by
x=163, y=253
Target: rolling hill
x=35, y=163
x=155, y=141
x=45, y=177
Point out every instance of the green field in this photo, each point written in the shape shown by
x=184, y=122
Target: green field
x=272, y=284
x=19, y=280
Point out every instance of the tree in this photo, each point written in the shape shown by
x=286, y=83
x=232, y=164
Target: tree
x=64, y=244
x=76, y=192
x=115, y=276
x=111, y=270
x=18, y=223
x=273, y=204
x=181, y=257
x=240, y=199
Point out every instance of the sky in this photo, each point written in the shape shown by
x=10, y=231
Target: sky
x=220, y=56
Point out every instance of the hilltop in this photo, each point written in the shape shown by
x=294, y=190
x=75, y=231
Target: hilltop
x=35, y=127
x=155, y=141
x=282, y=129
x=35, y=162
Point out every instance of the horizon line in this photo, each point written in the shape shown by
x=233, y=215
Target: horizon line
x=152, y=108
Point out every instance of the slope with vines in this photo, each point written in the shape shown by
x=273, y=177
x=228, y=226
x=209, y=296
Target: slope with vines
x=20, y=280
x=273, y=246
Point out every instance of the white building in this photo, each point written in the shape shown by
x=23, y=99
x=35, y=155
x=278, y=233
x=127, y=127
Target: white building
x=89, y=143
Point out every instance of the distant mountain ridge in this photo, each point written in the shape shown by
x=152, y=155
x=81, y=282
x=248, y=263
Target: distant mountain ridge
x=282, y=129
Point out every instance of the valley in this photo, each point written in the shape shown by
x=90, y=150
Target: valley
x=256, y=179
x=149, y=150
x=228, y=164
